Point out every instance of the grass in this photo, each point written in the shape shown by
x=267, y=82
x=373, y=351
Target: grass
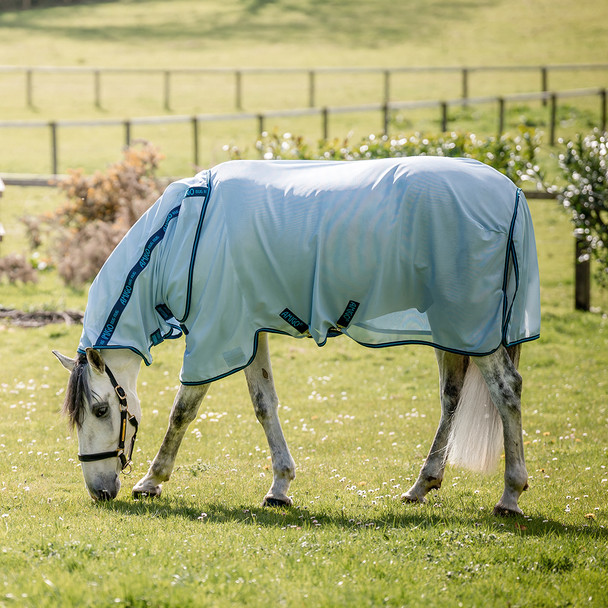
x=284, y=33
x=358, y=446
x=358, y=421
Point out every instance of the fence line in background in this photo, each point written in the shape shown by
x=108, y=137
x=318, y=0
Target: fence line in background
x=239, y=74
x=384, y=109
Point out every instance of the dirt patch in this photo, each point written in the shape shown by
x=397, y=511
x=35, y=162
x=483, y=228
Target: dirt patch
x=39, y=318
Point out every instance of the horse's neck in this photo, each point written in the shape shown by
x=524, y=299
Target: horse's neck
x=124, y=364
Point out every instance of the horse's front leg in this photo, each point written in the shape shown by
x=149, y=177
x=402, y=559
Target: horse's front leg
x=452, y=369
x=184, y=411
x=265, y=403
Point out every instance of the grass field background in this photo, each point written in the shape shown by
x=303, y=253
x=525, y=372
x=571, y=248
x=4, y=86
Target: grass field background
x=358, y=421
x=288, y=34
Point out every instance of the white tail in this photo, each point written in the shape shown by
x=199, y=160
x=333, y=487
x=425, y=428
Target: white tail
x=476, y=438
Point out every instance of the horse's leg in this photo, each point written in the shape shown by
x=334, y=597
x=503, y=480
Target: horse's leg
x=184, y=411
x=452, y=369
x=504, y=383
x=265, y=403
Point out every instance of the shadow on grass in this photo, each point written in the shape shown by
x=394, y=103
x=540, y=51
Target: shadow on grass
x=307, y=518
x=371, y=24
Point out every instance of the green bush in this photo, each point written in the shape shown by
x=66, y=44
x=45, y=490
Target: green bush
x=584, y=168
x=513, y=156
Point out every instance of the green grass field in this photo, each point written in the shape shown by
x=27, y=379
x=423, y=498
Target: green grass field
x=358, y=445
x=288, y=34
x=358, y=421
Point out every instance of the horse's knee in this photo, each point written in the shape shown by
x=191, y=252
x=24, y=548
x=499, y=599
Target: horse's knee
x=264, y=406
x=182, y=415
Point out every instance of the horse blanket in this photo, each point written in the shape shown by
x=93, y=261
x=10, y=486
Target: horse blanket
x=419, y=250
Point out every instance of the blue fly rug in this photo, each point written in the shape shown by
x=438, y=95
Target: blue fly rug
x=421, y=250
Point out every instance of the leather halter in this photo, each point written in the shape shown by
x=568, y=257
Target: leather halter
x=125, y=416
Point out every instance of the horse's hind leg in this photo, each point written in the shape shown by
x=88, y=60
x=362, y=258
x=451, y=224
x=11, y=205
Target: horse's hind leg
x=499, y=371
x=452, y=369
x=265, y=403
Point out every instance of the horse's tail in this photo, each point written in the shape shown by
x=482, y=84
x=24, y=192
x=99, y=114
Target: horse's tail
x=476, y=437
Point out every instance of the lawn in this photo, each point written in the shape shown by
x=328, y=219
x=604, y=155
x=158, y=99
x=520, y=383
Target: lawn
x=358, y=421
x=358, y=445
x=281, y=34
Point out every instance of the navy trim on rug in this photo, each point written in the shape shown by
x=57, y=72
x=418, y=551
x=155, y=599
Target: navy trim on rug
x=110, y=325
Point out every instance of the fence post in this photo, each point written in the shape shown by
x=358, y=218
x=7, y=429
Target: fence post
x=582, y=272
x=501, y=116
x=97, y=87
x=603, y=110
x=260, y=124
x=195, y=139
x=127, y=125
x=311, y=89
x=385, y=118
x=465, y=86
x=444, y=116
x=553, y=119
x=238, y=90
x=54, y=151
x=325, y=121
x=29, y=93
x=544, y=82
x=387, y=86
x=167, y=90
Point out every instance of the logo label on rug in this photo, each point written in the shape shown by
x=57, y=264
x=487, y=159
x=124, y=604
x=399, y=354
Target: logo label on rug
x=294, y=321
x=348, y=314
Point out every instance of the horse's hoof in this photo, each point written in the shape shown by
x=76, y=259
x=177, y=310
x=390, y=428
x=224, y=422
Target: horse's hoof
x=271, y=501
x=412, y=498
x=501, y=511
x=153, y=493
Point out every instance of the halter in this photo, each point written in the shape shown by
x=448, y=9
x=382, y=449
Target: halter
x=125, y=415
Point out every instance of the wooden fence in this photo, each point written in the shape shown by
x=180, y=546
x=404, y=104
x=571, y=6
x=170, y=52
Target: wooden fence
x=239, y=77
x=384, y=110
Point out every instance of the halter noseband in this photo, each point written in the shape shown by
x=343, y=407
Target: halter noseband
x=125, y=416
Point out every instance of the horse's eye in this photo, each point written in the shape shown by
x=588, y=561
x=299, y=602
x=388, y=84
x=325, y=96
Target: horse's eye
x=101, y=411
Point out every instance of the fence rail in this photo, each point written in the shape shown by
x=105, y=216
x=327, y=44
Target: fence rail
x=385, y=110
x=166, y=77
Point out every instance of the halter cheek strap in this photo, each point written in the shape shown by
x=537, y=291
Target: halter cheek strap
x=125, y=416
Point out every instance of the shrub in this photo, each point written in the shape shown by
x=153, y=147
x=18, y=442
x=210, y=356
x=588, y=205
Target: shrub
x=99, y=211
x=513, y=156
x=584, y=168
x=15, y=267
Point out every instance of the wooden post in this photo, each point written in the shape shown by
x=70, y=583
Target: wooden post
x=97, y=87
x=195, y=139
x=603, y=110
x=385, y=118
x=325, y=120
x=311, y=89
x=260, y=125
x=501, y=117
x=54, y=151
x=444, y=116
x=167, y=90
x=553, y=119
x=544, y=82
x=127, y=125
x=465, y=86
x=29, y=85
x=238, y=101
x=387, y=87
x=582, y=272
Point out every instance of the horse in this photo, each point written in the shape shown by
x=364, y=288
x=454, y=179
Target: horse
x=420, y=250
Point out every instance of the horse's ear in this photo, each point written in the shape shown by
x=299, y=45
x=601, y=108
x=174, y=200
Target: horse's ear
x=65, y=361
x=96, y=360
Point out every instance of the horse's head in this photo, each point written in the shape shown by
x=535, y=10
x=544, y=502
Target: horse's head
x=102, y=403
